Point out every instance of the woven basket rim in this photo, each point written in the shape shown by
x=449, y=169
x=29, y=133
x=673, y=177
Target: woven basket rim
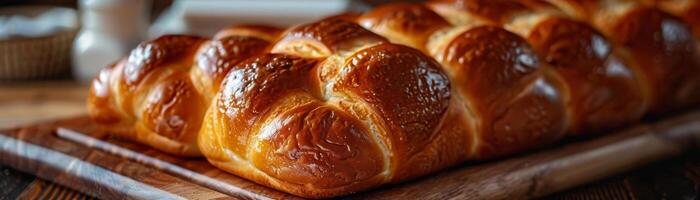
x=45, y=37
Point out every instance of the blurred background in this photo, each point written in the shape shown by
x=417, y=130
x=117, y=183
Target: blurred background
x=51, y=49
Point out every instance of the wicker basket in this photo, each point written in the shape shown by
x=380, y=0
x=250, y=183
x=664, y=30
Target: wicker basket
x=36, y=58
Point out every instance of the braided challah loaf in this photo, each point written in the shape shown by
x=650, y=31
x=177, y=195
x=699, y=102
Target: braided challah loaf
x=512, y=102
x=601, y=91
x=330, y=108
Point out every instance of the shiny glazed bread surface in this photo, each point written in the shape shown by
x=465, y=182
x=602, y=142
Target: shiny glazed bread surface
x=163, y=88
x=355, y=101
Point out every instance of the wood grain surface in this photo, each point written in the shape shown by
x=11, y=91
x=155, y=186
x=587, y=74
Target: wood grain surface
x=103, y=166
x=24, y=103
x=40, y=189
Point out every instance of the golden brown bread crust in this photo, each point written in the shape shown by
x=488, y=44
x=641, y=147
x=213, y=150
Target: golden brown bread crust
x=415, y=26
x=154, y=92
x=173, y=103
x=497, y=11
x=692, y=17
x=319, y=120
x=670, y=61
x=100, y=105
x=604, y=93
x=331, y=108
x=158, y=93
x=159, y=53
x=667, y=82
x=272, y=120
x=220, y=55
x=324, y=38
x=500, y=78
x=688, y=10
x=598, y=84
x=657, y=44
x=405, y=88
x=318, y=144
x=250, y=91
x=495, y=73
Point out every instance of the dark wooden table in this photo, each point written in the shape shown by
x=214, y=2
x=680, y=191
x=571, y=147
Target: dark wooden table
x=674, y=178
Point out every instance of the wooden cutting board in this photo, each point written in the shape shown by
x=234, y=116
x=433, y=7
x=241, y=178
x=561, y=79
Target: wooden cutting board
x=76, y=153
